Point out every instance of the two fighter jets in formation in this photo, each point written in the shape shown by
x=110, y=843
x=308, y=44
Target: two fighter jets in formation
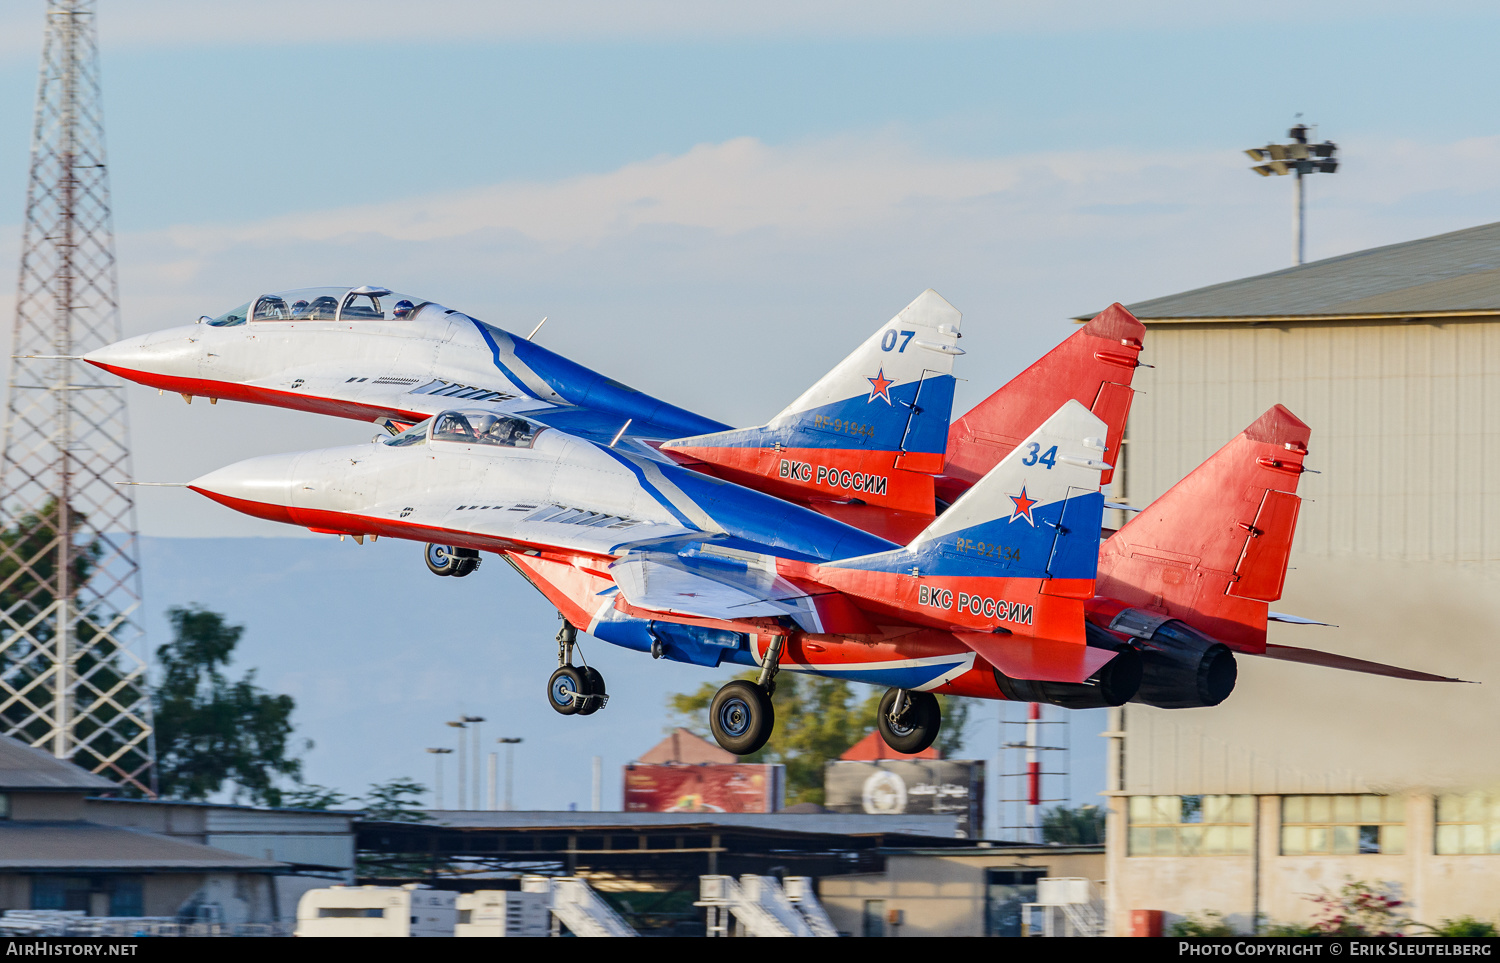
x=860, y=534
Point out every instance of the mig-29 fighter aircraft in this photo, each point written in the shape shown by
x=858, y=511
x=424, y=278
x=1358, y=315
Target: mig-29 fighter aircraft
x=864, y=446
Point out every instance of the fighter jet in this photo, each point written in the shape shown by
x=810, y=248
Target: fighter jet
x=660, y=558
x=865, y=446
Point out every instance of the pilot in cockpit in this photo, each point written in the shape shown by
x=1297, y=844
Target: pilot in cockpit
x=300, y=308
x=403, y=309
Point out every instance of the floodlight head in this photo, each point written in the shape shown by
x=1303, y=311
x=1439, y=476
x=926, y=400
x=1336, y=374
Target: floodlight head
x=1298, y=133
x=1279, y=167
x=1264, y=170
x=1328, y=166
x=1257, y=153
x=1326, y=149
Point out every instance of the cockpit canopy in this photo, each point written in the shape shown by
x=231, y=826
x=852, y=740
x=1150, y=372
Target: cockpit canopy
x=367, y=303
x=471, y=426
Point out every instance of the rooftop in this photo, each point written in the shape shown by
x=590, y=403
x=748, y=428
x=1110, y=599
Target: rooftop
x=24, y=768
x=1455, y=274
x=67, y=845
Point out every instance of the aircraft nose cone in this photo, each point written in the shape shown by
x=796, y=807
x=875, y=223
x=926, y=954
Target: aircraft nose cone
x=262, y=487
x=152, y=359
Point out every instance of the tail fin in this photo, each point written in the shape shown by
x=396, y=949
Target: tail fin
x=874, y=428
x=1213, y=550
x=1035, y=515
x=1093, y=366
x=1018, y=552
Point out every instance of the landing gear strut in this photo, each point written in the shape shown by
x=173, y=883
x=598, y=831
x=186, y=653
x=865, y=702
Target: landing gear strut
x=574, y=690
x=447, y=560
x=909, y=721
x=741, y=716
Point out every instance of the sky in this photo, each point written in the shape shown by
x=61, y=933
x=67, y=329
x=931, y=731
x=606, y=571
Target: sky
x=715, y=202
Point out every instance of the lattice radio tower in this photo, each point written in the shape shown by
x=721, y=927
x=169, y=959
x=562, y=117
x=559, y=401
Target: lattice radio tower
x=72, y=675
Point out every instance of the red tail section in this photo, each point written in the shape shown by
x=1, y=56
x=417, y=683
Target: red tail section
x=1093, y=366
x=1213, y=550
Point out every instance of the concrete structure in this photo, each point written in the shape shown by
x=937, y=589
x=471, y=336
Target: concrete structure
x=342, y=911
x=493, y=912
x=55, y=856
x=1306, y=776
x=969, y=891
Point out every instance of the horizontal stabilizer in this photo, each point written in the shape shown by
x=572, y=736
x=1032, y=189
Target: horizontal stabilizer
x=1291, y=653
x=1044, y=660
x=1295, y=619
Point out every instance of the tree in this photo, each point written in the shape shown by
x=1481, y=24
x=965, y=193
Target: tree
x=817, y=719
x=1083, y=826
x=310, y=795
x=209, y=730
x=395, y=801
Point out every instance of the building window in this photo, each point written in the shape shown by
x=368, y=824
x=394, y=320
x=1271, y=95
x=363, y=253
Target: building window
x=1468, y=824
x=1005, y=892
x=1190, y=825
x=93, y=895
x=1342, y=825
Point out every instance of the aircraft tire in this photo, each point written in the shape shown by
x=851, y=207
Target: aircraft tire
x=560, y=688
x=594, y=679
x=440, y=559
x=741, y=717
x=919, y=725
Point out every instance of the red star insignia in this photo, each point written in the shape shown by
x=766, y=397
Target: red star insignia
x=880, y=387
x=1023, y=507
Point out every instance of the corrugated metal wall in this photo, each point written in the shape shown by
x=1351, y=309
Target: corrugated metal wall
x=1397, y=543
x=1405, y=424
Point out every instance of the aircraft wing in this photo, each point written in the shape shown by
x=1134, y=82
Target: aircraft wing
x=711, y=587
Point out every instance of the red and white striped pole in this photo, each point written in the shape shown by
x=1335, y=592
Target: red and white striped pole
x=1033, y=773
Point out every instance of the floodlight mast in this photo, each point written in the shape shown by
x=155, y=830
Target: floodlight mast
x=1300, y=158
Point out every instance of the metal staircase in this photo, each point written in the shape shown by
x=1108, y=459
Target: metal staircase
x=762, y=908
x=576, y=906
x=804, y=896
x=1065, y=906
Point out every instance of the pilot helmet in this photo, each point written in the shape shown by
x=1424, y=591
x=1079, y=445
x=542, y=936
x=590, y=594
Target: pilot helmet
x=402, y=309
x=299, y=307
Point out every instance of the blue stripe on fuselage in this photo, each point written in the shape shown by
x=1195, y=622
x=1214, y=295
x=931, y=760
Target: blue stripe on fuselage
x=756, y=521
x=590, y=389
x=1063, y=543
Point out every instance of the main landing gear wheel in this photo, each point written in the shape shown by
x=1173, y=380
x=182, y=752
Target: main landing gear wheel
x=562, y=689
x=742, y=717
x=909, y=721
x=447, y=560
x=597, y=696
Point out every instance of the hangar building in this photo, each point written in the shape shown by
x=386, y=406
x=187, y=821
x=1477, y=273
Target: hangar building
x=1307, y=776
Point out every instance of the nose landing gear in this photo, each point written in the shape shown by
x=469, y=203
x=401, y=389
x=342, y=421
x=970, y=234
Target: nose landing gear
x=573, y=690
x=447, y=560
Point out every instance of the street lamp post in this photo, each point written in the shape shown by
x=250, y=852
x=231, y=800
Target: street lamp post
x=510, y=744
x=475, y=721
x=1300, y=158
x=437, y=757
x=459, y=724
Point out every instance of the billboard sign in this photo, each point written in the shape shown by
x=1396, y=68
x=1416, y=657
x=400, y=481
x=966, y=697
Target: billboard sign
x=896, y=786
x=709, y=788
